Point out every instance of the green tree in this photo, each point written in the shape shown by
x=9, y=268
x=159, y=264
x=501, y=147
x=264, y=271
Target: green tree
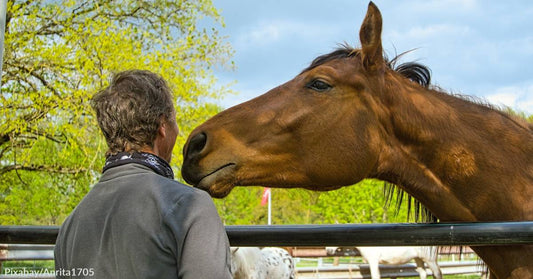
x=242, y=207
x=366, y=202
x=57, y=55
x=361, y=203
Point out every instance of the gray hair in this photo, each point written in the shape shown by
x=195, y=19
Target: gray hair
x=129, y=111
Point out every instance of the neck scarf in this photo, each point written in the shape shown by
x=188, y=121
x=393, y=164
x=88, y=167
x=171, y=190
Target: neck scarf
x=152, y=161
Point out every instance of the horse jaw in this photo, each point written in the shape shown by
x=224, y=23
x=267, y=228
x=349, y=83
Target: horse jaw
x=218, y=183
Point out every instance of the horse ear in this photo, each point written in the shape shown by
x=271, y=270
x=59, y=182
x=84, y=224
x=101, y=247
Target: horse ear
x=370, y=36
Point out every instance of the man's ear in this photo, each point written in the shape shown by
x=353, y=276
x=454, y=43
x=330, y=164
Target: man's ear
x=162, y=130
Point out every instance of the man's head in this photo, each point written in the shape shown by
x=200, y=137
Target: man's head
x=136, y=113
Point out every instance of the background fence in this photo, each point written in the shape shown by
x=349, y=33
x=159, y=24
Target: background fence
x=440, y=234
x=324, y=267
x=42, y=239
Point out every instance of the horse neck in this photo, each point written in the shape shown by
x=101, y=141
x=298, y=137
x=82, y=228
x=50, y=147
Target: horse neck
x=443, y=148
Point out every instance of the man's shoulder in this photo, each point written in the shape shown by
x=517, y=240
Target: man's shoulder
x=186, y=192
x=141, y=176
x=172, y=192
x=139, y=182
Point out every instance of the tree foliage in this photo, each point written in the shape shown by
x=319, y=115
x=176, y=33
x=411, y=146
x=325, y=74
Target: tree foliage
x=365, y=202
x=57, y=55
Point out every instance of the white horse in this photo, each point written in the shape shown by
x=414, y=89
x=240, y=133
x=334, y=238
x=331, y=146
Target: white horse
x=266, y=263
x=398, y=255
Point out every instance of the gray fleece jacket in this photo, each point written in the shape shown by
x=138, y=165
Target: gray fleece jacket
x=135, y=223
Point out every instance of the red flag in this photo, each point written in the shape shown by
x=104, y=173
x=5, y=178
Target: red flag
x=266, y=194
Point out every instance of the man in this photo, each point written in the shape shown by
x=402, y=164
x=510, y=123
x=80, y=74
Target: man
x=137, y=221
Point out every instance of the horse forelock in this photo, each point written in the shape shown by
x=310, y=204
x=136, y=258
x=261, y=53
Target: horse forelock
x=344, y=51
x=413, y=71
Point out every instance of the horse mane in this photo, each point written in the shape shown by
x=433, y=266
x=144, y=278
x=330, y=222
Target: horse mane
x=394, y=194
x=414, y=71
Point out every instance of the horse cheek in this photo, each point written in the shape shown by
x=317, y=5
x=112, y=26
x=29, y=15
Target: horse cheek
x=366, y=141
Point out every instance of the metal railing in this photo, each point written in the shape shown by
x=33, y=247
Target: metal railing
x=360, y=271
x=25, y=252
x=440, y=234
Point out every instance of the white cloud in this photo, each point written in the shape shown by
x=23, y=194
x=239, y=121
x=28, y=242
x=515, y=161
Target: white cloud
x=517, y=97
x=444, y=6
x=503, y=97
x=426, y=32
x=265, y=33
x=272, y=32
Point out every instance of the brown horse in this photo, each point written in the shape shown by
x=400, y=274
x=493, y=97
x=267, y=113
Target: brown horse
x=350, y=116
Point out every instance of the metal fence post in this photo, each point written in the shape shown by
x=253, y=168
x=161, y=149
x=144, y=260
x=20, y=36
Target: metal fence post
x=3, y=13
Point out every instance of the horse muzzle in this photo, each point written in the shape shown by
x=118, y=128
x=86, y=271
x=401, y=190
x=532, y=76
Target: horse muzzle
x=217, y=179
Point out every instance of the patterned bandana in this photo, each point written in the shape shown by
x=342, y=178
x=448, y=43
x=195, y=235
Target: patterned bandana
x=152, y=161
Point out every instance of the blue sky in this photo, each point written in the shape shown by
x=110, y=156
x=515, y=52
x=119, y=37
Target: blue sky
x=478, y=48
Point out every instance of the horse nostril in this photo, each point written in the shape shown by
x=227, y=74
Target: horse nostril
x=196, y=145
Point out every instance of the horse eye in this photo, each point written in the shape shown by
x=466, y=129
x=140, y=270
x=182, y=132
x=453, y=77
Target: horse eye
x=318, y=85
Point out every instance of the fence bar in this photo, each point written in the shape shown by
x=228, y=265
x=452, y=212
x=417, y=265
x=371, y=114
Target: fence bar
x=26, y=252
x=404, y=234
x=28, y=234
x=443, y=234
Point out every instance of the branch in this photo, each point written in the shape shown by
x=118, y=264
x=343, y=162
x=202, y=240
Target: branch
x=51, y=169
x=56, y=26
x=4, y=138
x=4, y=150
x=44, y=82
x=60, y=138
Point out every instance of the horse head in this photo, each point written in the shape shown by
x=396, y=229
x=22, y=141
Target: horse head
x=330, y=108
